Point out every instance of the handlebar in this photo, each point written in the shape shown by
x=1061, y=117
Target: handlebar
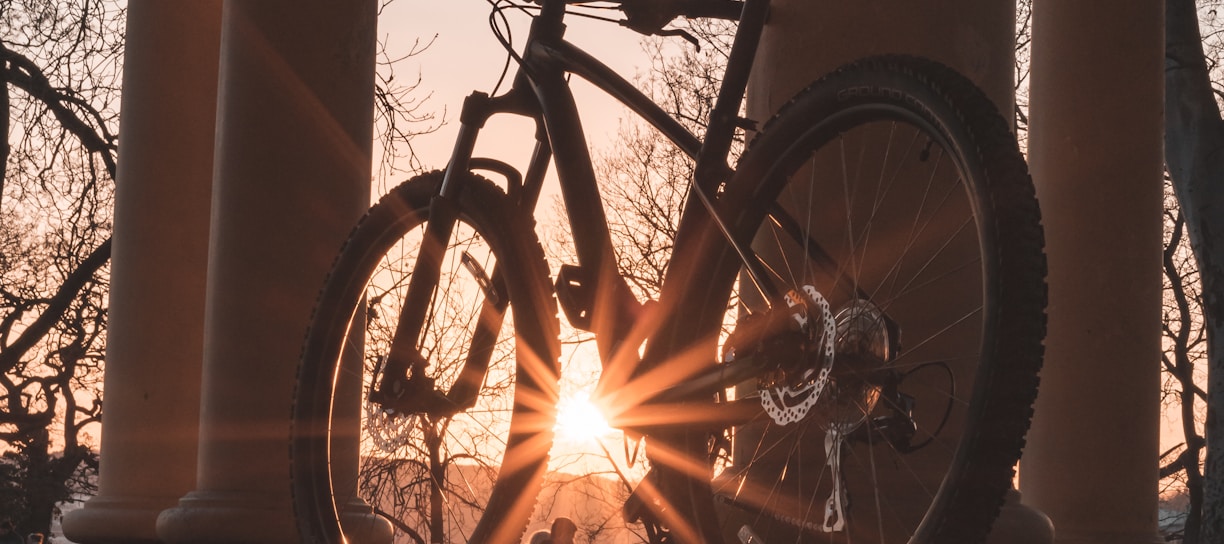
x=712, y=9
x=650, y=16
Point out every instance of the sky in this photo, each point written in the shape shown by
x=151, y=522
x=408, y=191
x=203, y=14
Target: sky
x=465, y=56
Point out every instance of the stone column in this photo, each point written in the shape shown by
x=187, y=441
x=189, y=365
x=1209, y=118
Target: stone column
x=160, y=249
x=1095, y=150
x=295, y=115
x=805, y=40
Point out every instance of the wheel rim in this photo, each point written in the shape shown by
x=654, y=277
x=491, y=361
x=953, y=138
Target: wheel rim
x=431, y=471
x=434, y=474
x=890, y=208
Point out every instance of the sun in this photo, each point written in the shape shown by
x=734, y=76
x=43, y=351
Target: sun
x=579, y=419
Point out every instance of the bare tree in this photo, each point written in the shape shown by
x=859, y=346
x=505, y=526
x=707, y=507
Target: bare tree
x=1185, y=345
x=60, y=66
x=1194, y=139
x=401, y=112
x=594, y=501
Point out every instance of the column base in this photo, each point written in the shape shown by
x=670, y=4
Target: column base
x=116, y=520
x=1020, y=523
x=204, y=517
x=1108, y=537
x=363, y=526
x=220, y=517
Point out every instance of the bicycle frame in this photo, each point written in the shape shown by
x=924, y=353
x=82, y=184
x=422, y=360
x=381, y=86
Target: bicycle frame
x=540, y=90
x=899, y=139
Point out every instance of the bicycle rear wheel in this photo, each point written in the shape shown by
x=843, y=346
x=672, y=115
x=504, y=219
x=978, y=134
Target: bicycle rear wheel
x=890, y=200
x=461, y=458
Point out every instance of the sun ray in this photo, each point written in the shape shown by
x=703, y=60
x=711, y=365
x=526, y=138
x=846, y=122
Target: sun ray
x=579, y=419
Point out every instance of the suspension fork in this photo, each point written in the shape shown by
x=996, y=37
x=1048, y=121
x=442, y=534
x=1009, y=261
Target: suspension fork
x=404, y=354
x=467, y=385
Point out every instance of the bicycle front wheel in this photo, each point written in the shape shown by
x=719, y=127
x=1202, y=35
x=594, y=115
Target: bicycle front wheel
x=890, y=202
x=457, y=452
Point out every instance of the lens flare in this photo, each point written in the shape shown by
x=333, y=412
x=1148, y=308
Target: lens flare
x=579, y=419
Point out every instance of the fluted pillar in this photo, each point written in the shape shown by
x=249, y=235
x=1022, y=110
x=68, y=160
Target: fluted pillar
x=1095, y=149
x=293, y=164
x=158, y=260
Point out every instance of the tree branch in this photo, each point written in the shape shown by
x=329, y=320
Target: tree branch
x=25, y=75
x=56, y=306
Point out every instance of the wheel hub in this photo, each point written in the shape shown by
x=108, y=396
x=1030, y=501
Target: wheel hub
x=804, y=375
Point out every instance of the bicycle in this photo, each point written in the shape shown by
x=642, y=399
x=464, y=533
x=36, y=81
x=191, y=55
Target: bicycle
x=887, y=197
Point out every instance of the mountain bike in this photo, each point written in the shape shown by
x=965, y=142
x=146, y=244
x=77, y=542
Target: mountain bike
x=845, y=347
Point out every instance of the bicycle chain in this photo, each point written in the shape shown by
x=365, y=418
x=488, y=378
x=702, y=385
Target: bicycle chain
x=789, y=520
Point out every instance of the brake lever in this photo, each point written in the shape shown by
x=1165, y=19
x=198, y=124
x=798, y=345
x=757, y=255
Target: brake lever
x=650, y=30
x=650, y=16
x=678, y=32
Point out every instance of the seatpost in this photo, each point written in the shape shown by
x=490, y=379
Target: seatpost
x=724, y=118
x=711, y=165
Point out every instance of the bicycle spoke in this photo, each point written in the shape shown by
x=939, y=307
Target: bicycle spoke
x=879, y=219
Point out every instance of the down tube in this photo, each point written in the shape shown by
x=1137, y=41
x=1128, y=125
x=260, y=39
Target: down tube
x=613, y=307
x=578, y=183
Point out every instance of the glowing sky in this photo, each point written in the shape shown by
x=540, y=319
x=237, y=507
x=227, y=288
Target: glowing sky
x=466, y=56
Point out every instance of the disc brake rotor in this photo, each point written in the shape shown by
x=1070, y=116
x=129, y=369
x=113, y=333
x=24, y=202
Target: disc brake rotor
x=857, y=338
x=790, y=403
